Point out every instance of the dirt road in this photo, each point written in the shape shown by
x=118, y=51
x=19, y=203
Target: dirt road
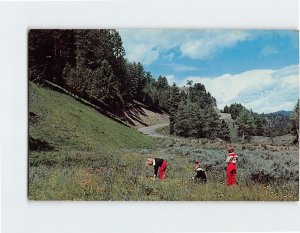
x=151, y=130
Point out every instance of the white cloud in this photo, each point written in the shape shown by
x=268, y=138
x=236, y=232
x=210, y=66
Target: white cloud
x=268, y=51
x=169, y=56
x=143, y=54
x=262, y=90
x=180, y=67
x=206, y=44
x=146, y=46
x=171, y=79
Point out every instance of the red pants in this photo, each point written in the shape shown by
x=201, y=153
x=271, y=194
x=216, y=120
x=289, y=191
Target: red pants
x=162, y=169
x=231, y=174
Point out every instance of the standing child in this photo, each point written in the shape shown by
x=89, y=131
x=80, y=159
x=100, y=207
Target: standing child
x=200, y=173
x=231, y=161
x=160, y=166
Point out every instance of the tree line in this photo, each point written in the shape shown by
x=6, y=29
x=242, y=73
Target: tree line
x=92, y=65
x=269, y=125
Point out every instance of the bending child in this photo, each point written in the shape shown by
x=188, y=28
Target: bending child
x=200, y=173
x=160, y=166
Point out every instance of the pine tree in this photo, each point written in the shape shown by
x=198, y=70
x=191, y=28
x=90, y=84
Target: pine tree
x=133, y=81
x=226, y=109
x=189, y=120
x=224, y=131
x=49, y=51
x=245, y=123
x=212, y=123
x=173, y=102
x=295, y=122
x=270, y=129
x=259, y=126
x=163, y=91
x=98, y=74
x=236, y=109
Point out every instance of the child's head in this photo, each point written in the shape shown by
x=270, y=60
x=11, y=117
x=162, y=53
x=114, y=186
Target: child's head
x=230, y=149
x=196, y=164
x=149, y=161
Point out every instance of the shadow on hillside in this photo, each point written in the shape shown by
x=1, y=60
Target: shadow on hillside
x=32, y=118
x=96, y=105
x=39, y=145
x=133, y=112
x=130, y=114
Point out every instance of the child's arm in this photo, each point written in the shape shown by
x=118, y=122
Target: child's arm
x=155, y=170
x=227, y=159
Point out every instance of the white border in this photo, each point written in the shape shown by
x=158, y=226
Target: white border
x=20, y=215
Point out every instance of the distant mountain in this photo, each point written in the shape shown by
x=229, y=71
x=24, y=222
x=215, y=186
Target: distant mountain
x=283, y=113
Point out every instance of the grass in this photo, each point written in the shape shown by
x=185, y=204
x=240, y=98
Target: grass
x=67, y=124
x=87, y=156
x=125, y=177
x=163, y=130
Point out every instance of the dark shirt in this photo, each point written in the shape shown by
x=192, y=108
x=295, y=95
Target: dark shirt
x=158, y=163
x=200, y=175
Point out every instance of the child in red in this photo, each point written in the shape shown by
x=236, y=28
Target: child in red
x=160, y=166
x=231, y=160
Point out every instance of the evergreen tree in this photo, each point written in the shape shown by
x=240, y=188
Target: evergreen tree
x=96, y=74
x=162, y=83
x=275, y=125
x=245, y=123
x=224, y=131
x=142, y=81
x=48, y=53
x=173, y=102
x=295, y=122
x=189, y=83
x=259, y=126
x=133, y=81
x=236, y=109
x=189, y=120
x=203, y=117
x=212, y=123
x=197, y=94
x=149, y=91
x=226, y=109
x=163, y=92
x=270, y=130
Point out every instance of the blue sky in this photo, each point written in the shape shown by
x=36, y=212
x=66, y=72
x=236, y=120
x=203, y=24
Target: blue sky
x=258, y=68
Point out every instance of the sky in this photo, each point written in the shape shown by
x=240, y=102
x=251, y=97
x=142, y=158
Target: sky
x=257, y=68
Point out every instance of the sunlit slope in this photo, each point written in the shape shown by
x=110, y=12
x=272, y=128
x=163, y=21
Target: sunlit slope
x=62, y=122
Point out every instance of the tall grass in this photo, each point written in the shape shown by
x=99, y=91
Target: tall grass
x=125, y=177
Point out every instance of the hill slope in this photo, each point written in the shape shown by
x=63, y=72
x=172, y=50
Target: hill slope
x=60, y=122
x=283, y=113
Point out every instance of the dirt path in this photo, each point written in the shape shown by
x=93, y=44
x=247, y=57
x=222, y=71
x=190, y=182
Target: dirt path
x=151, y=130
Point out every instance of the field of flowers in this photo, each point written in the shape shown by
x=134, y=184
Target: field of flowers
x=264, y=174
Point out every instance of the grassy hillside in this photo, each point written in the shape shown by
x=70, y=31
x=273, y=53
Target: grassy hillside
x=66, y=124
x=66, y=137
